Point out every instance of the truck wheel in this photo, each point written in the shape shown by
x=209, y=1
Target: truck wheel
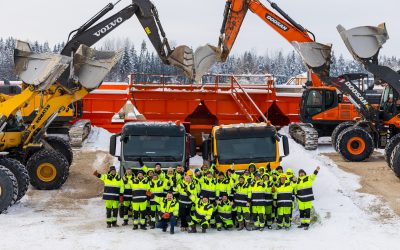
x=20, y=173
x=339, y=128
x=355, y=144
x=8, y=189
x=62, y=146
x=393, y=142
x=47, y=169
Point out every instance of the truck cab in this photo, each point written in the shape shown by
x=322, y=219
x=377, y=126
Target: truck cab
x=148, y=143
x=239, y=145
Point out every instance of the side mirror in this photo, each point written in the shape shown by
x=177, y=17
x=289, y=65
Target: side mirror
x=206, y=149
x=192, y=146
x=113, y=144
x=285, y=142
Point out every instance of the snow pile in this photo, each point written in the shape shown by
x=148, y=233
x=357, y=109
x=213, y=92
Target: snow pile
x=345, y=220
x=98, y=139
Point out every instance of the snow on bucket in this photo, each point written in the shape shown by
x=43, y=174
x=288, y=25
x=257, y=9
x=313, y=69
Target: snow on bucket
x=364, y=42
x=204, y=58
x=38, y=69
x=92, y=66
x=182, y=57
x=315, y=55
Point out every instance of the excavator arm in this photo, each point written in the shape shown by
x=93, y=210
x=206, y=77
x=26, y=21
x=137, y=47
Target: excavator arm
x=93, y=31
x=234, y=14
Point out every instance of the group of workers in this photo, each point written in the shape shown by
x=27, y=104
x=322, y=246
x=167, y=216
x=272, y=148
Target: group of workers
x=253, y=200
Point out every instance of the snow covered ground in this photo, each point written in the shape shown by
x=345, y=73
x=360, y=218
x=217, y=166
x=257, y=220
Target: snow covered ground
x=346, y=222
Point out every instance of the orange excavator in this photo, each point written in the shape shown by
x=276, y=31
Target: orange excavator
x=322, y=109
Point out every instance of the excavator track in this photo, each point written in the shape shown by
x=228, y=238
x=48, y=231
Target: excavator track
x=304, y=134
x=79, y=132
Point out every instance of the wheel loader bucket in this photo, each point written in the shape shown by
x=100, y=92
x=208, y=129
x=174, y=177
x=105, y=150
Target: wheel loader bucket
x=204, y=58
x=38, y=69
x=92, y=66
x=364, y=42
x=182, y=57
x=315, y=55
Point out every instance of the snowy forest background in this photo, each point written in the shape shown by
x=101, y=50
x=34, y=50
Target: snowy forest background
x=139, y=59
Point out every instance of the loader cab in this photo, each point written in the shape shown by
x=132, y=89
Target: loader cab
x=390, y=103
x=317, y=100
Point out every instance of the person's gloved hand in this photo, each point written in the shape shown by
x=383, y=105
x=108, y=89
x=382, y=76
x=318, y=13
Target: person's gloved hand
x=148, y=193
x=95, y=173
x=121, y=199
x=166, y=216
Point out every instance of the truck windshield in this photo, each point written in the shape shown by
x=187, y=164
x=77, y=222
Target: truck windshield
x=157, y=148
x=244, y=150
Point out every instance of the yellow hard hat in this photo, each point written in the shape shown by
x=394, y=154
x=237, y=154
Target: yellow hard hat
x=289, y=171
x=282, y=176
x=189, y=172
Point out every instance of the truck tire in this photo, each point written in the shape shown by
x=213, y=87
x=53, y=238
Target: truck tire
x=355, y=144
x=20, y=173
x=47, y=169
x=395, y=160
x=62, y=146
x=8, y=188
x=393, y=142
x=339, y=128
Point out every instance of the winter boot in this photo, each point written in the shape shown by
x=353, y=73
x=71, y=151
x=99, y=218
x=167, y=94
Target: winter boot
x=135, y=227
x=279, y=228
x=152, y=225
x=241, y=226
x=143, y=227
x=192, y=229
x=204, y=229
x=125, y=223
x=172, y=230
x=114, y=224
x=301, y=225
x=306, y=226
x=164, y=229
x=261, y=229
x=269, y=227
x=108, y=224
x=248, y=227
x=219, y=229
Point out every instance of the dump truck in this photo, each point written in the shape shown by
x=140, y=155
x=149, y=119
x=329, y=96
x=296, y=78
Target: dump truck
x=236, y=146
x=148, y=143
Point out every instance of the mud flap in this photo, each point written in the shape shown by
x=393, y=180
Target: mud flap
x=364, y=42
x=182, y=57
x=92, y=66
x=38, y=69
x=204, y=58
x=315, y=55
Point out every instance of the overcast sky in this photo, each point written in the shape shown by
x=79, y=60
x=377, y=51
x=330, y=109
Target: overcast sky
x=197, y=22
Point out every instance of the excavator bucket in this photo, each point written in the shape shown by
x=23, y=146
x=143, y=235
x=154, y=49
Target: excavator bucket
x=92, y=66
x=315, y=55
x=38, y=69
x=182, y=57
x=204, y=58
x=364, y=42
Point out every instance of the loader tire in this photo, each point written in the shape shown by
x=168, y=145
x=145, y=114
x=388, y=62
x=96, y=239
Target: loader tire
x=8, y=188
x=20, y=173
x=395, y=160
x=48, y=169
x=355, y=144
x=62, y=146
x=339, y=128
x=393, y=142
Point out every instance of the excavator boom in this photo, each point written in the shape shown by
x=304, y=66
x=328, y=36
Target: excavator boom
x=234, y=14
